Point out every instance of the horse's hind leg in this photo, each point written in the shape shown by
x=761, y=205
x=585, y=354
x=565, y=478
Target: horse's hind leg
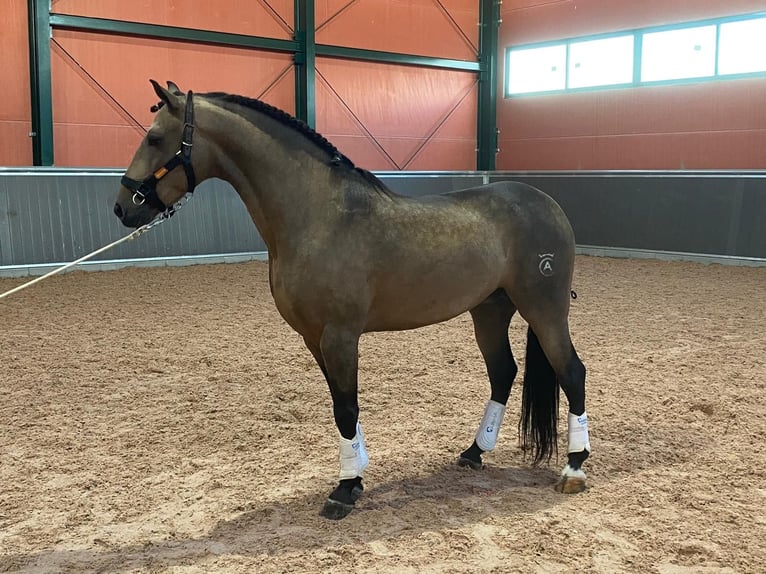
x=491, y=320
x=550, y=350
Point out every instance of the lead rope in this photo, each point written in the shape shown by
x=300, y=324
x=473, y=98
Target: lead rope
x=162, y=218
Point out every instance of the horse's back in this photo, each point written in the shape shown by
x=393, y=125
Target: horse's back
x=521, y=198
x=525, y=213
x=518, y=221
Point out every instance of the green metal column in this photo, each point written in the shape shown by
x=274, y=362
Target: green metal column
x=305, y=62
x=489, y=24
x=40, y=81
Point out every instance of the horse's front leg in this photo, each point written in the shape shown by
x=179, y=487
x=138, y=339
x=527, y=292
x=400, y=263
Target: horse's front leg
x=338, y=356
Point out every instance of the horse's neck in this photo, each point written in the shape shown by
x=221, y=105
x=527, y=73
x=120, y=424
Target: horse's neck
x=279, y=187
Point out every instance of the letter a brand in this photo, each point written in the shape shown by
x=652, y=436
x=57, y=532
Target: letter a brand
x=546, y=264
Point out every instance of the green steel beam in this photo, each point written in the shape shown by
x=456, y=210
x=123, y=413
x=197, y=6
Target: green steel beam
x=305, y=50
x=394, y=58
x=487, y=132
x=305, y=62
x=304, y=12
x=106, y=26
x=40, y=82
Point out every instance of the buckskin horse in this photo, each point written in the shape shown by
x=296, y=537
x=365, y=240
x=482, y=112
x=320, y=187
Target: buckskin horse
x=348, y=256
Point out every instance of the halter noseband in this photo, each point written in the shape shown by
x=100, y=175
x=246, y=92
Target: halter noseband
x=146, y=191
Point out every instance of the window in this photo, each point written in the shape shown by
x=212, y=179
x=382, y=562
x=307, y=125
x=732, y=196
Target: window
x=678, y=54
x=706, y=50
x=604, y=62
x=742, y=47
x=536, y=69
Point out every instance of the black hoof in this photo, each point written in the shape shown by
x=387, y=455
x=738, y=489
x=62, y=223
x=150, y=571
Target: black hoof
x=471, y=458
x=343, y=499
x=467, y=462
x=335, y=510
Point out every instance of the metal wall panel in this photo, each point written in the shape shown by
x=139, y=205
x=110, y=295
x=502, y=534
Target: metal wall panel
x=712, y=125
x=415, y=184
x=15, y=116
x=396, y=117
x=101, y=51
x=50, y=218
x=694, y=213
x=423, y=27
x=53, y=216
x=414, y=118
x=6, y=244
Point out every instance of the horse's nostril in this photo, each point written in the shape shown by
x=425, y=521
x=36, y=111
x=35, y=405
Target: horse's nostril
x=118, y=210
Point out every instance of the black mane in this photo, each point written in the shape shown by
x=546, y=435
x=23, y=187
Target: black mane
x=337, y=158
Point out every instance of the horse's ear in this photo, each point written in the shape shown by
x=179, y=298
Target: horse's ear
x=172, y=101
x=174, y=89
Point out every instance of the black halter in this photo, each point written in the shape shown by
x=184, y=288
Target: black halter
x=146, y=191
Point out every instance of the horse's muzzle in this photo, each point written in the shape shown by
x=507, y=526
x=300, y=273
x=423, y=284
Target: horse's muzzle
x=135, y=217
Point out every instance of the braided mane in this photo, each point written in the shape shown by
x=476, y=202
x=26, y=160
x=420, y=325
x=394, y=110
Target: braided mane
x=337, y=158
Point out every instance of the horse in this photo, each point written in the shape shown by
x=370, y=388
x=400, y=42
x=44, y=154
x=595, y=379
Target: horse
x=348, y=256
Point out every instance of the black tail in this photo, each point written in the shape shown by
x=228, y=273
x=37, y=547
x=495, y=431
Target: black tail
x=539, y=403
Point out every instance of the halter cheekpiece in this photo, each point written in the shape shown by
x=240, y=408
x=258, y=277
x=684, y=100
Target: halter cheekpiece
x=146, y=191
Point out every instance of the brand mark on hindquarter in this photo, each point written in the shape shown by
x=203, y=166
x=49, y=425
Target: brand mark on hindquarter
x=546, y=264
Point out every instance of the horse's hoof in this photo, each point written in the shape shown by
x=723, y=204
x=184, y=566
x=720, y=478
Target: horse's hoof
x=343, y=499
x=570, y=484
x=335, y=510
x=471, y=457
x=470, y=463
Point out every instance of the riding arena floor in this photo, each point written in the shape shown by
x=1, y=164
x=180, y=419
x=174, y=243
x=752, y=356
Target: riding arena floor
x=167, y=420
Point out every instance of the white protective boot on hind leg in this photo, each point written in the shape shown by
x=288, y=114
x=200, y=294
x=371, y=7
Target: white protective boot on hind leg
x=353, y=455
x=578, y=440
x=578, y=433
x=486, y=436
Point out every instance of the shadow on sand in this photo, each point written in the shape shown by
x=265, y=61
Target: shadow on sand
x=449, y=497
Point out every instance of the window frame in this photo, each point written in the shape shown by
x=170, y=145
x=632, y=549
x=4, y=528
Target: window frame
x=638, y=34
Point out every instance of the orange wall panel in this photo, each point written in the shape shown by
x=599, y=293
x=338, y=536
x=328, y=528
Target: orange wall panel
x=391, y=117
x=97, y=90
x=637, y=152
x=272, y=18
x=447, y=29
x=703, y=125
x=15, y=115
x=440, y=154
x=383, y=116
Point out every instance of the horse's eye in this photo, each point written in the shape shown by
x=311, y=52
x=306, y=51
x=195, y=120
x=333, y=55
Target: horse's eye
x=153, y=140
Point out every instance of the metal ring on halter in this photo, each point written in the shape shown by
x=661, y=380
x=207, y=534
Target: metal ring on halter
x=142, y=198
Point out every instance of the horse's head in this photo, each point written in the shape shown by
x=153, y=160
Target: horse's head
x=161, y=171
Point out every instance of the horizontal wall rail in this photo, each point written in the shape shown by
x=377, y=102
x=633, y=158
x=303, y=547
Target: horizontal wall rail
x=162, y=32
x=50, y=216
